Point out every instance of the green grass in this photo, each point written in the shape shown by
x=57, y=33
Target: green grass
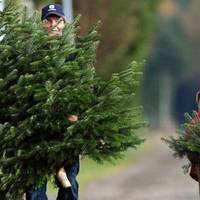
x=90, y=170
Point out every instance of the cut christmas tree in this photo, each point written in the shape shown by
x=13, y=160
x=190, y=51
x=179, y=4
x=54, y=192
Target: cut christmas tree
x=43, y=80
x=187, y=144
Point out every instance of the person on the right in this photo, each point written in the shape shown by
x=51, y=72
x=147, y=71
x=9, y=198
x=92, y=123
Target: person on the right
x=193, y=158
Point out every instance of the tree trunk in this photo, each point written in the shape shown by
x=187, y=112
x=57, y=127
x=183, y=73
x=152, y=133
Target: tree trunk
x=165, y=98
x=1, y=5
x=29, y=4
x=68, y=9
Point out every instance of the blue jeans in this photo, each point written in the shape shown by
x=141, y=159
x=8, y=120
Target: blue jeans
x=63, y=193
x=39, y=194
x=72, y=192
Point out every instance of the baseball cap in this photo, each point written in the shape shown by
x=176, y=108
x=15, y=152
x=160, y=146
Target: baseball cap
x=52, y=9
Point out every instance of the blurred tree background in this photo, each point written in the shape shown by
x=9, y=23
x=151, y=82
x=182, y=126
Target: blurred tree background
x=163, y=32
x=166, y=64
x=126, y=31
x=172, y=71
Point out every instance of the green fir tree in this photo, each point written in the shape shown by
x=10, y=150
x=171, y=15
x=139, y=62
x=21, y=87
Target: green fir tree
x=43, y=80
x=187, y=144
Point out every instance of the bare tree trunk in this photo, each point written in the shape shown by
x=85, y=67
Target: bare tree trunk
x=165, y=97
x=29, y=4
x=1, y=5
x=82, y=7
x=68, y=9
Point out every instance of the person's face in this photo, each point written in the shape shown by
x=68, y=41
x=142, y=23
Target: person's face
x=54, y=25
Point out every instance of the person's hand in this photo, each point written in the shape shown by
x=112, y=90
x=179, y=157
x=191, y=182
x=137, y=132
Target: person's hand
x=196, y=118
x=73, y=118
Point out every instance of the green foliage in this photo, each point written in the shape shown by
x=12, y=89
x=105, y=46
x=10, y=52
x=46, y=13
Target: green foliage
x=188, y=141
x=170, y=57
x=43, y=80
x=126, y=32
x=170, y=54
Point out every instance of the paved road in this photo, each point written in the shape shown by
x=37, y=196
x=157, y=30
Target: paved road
x=155, y=176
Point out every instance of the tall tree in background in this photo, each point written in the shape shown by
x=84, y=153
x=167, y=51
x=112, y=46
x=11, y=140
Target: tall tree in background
x=168, y=60
x=126, y=31
x=191, y=21
x=189, y=83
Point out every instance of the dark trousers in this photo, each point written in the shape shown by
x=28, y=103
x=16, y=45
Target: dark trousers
x=39, y=194
x=63, y=194
x=72, y=192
